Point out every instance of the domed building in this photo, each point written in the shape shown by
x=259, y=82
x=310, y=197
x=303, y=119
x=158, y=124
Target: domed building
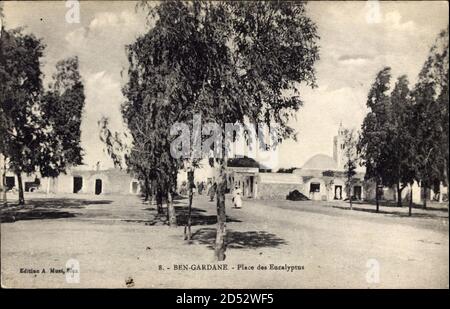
x=324, y=179
x=321, y=162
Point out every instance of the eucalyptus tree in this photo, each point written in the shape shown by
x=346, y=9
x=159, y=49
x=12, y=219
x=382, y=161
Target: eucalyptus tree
x=229, y=62
x=62, y=109
x=430, y=95
x=20, y=90
x=39, y=129
x=351, y=161
x=148, y=111
x=373, y=141
x=401, y=156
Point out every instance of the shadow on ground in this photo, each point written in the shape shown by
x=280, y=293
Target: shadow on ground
x=41, y=209
x=396, y=213
x=198, y=217
x=433, y=206
x=239, y=240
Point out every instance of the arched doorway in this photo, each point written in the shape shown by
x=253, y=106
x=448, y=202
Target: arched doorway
x=338, y=192
x=98, y=186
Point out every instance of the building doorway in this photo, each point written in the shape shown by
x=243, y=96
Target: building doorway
x=357, y=192
x=338, y=192
x=134, y=187
x=10, y=182
x=98, y=186
x=314, y=191
x=77, y=184
x=380, y=191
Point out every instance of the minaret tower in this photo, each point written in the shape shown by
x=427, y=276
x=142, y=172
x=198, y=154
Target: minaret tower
x=338, y=148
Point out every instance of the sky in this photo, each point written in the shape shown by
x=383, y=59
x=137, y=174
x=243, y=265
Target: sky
x=357, y=39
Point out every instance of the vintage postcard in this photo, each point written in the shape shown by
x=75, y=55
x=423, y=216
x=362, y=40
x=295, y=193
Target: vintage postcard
x=218, y=144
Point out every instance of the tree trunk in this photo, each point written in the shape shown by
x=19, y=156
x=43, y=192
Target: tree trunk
x=3, y=178
x=187, y=227
x=21, y=196
x=377, y=197
x=350, y=196
x=172, y=218
x=153, y=192
x=447, y=177
x=159, y=199
x=48, y=185
x=399, y=195
x=221, y=215
x=147, y=189
x=410, y=201
x=447, y=174
x=425, y=196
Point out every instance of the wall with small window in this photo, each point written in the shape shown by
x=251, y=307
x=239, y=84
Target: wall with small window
x=315, y=189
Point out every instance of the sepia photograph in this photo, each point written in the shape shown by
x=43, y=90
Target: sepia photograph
x=224, y=145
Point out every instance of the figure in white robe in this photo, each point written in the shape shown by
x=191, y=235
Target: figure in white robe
x=237, y=197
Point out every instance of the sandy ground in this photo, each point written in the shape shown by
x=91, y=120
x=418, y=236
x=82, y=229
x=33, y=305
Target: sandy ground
x=119, y=238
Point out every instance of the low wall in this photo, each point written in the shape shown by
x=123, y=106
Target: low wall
x=276, y=191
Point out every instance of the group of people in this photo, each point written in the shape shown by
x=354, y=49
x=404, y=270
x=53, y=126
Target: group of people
x=197, y=188
x=211, y=189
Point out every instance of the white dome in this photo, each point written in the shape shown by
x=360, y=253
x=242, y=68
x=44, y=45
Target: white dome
x=321, y=162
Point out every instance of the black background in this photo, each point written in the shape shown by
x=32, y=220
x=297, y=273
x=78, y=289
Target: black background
x=149, y=298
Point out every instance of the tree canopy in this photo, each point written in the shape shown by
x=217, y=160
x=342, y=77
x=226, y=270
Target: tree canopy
x=39, y=129
x=227, y=62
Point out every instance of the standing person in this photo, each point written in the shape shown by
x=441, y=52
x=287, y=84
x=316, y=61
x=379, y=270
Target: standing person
x=212, y=192
x=193, y=188
x=200, y=188
x=237, y=197
x=208, y=187
x=183, y=188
